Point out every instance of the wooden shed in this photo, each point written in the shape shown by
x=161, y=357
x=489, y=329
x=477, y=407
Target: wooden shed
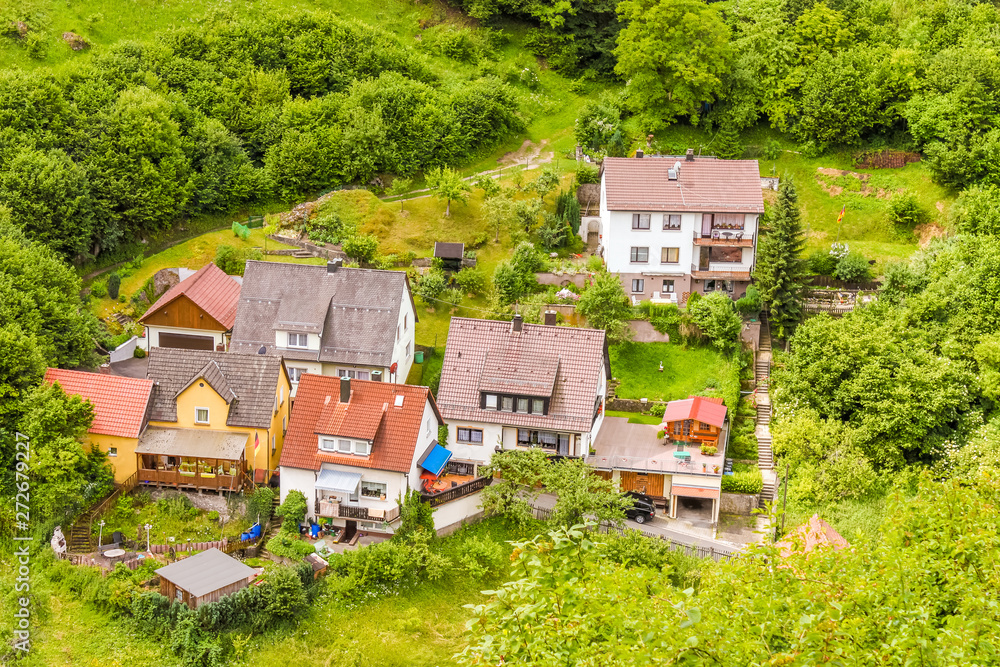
x=450, y=254
x=203, y=578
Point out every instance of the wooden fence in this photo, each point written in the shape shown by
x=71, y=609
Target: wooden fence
x=715, y=553
x=827, y=281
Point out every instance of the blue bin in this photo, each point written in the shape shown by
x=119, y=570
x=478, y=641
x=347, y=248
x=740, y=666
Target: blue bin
x=244, y=537
x=314, y=531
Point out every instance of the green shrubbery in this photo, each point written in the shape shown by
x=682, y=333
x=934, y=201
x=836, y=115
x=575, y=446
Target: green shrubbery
x=233, y=260
x=746, y=481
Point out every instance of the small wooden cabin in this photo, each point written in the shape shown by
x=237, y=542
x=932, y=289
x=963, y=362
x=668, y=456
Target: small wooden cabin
x=450, y=254
x=696, y=420
x=203, y=578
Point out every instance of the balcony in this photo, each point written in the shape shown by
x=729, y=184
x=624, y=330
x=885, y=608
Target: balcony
x=721, y=271
x=460, y=490
x=334, y=510
x=733, y=238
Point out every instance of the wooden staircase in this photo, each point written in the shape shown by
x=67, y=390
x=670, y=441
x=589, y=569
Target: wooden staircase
x=79, y=540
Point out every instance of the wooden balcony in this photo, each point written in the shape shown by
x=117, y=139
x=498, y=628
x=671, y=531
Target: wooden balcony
x=456, y=492
x=332, y=510
x=189, y=480
x=735, y=239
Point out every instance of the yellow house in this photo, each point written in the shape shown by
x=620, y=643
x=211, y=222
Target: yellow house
x=216, y=418
x=121, y=407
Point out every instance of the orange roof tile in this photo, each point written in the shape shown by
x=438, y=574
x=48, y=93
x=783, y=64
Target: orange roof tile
x=699, y=408
x=119, y=402
x=211, y=290
x=809, y=536
x=705, y=184
x=317, y=411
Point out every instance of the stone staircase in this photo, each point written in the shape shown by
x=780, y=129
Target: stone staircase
x=768, y=493
x=765, y=453
x=79, y=540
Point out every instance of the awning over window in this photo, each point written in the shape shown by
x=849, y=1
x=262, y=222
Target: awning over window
x=435, y=459
x=338, y=481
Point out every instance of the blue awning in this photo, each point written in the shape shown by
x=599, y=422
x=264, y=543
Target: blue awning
x=338, y=481
x=435, y=459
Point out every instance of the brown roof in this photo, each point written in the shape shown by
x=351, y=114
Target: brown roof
x=578, y=352
x=449, y=250
x=698, y=408
x=210, y=289
x=516, y=371
x=395, y=439
x=705, y=184
x=354, y=311
x=119, y=402
x=248, y=382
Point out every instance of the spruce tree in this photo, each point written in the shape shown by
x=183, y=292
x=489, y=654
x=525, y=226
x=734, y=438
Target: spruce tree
x=727, y=142
x=779, y=271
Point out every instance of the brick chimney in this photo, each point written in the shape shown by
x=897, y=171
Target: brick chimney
x=550, y=318
x=105, y=369
x=345, y=390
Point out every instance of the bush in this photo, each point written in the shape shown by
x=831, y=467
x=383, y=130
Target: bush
x=99, y=290
x=139, y=353
x=750, y=302
x=288, y=545
x=363, y=248
x=233, y=260
x=430, y=285
x=481, y=558
x=658, y=410
x=822, y=262
x=587, y=174
x=114, y=284
x=293, y=510
x=853, y=267
x=470, y=280
x=906, y=212
x=415, y=515
x=175, y=505
x=748, y=481
x=259, y=505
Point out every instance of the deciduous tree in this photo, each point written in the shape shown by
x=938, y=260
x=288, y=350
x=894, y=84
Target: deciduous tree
x=448, y=185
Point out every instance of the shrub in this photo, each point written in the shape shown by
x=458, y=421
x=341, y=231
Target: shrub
x=213, y=516
x=293, y=510
x=114, y=284
x=233, y=260
x=415, y=515
x=139, y=353
x=750, y=302
x=430, y=285
x=363, y=247
x=259, y=504
x=822, y=262
x=288, y=545
x=853, y=267
x=658, y=410
x=747, y=481
x=443, y=435
x=905, y=211
x=470, y=280
x=587, y=174
x=99, y=290
x=661, y=434
x=481, y=558
x=175, y=505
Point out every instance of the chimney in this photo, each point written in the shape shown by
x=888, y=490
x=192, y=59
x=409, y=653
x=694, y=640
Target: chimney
x=515, y=326
x=689, y=156
x=638, y=152
x=376, y=376
x=105, y=369
x=550, y=318
x=333, y=265
x=345, y=390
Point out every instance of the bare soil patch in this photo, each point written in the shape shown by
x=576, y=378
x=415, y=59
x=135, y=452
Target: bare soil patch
x=835, y=181
x=528, y=151
x=929, y=231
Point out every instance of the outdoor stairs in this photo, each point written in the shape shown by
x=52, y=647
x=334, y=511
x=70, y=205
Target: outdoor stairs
x=765, y=457
x=301, y=254
x=79, y=540
x=762, y=373
x=765, y=334
x=768, y=493
x=763, y=414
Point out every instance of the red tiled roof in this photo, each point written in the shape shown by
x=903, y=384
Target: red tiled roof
x=705, y=184
x=699, y=408
x=211, y=290
x=809, y=536
x=119, y=402
x=354, y=419
x=394, y=441
x=573, y=356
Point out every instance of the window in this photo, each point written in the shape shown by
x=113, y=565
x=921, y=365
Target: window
x=671, y=221
x=523, y=437
x=491, y=401
x=201, y=415
x=354, y=374
x=719, y=286
x=639, y=255
x=668, y=286
x=547, y=439
x=274, y=443
x=407, y=350
x=344, y=446
x=537, y=406
x=298, y=340
x=362, y=448
x=670, y=255
x=112, y=451
x=405, y=316
x=640, y=221
x=472, y=436
x=682, y=427
x=638, y=285
x=281, y=395
x=295, y=374
x=354, y=495
x=702, y=426
x=508, y=404
x=544, y=439
x=328, y=444
x=522, y=405
x=283, y=428
x=372, y=489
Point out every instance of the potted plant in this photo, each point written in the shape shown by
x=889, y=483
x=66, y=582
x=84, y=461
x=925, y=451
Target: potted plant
x=715, y=469
x=661, y=434
x=704, y=467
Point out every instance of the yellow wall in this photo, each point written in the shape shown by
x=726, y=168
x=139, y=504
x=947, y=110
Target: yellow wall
x=125, y=463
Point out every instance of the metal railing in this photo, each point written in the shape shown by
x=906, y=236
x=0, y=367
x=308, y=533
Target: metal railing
x=460, y=491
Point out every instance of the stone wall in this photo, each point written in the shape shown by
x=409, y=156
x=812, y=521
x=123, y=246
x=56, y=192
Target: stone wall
x=631, y=405
x=737, y=503
x=562, y=279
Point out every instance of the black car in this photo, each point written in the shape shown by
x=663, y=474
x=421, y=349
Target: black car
x=642, y=509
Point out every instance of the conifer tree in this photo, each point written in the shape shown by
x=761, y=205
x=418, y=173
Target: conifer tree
x=779, y=270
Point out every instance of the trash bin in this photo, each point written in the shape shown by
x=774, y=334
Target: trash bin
x=418, y=356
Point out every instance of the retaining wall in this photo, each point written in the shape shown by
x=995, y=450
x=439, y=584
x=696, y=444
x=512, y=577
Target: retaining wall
x=738, y=503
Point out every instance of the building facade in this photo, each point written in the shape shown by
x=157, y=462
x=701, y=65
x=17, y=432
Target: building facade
x=195, y=314
x=672, y=226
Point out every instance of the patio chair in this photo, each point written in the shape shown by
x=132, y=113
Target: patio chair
x=739, y=236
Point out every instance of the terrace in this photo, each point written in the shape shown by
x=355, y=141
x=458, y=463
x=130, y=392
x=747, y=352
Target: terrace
x=191, y=459
x=724, y=237
x=624, y=446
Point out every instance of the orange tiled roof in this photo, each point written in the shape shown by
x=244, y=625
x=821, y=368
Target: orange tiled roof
x=705, y=184
x=809, y=536
x=211, y=290
x=317, y=411
x=700, y=408
x=119, y=402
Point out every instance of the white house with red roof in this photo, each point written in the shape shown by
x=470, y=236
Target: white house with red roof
x=121, y=412
x=354, y=447
x=673, y=225
x=197, y=313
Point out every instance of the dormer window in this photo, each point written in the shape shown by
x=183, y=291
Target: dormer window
x=491, y=401
x=345, y=446
x=298, y=340
x=328, y=444
x=537, y=406
x=362, y=448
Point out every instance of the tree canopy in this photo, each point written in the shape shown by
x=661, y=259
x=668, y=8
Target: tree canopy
x=779, y=270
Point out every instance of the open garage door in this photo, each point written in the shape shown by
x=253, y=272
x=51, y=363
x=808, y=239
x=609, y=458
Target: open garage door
x=186, y=341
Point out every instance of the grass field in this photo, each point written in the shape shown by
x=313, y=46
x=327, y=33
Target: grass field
x=635, y=417
x=685, y=370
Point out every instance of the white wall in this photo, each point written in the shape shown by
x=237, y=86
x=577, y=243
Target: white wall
x=620, y=238
x=449, y=517
x=302, y=480
x=406, y=334
x=478, y=453
x=281, y=341
x=428, y=433
x=309, y=366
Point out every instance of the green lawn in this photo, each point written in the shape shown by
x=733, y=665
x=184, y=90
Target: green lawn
x=686, y=371
x=635, y=417
x=196, y=527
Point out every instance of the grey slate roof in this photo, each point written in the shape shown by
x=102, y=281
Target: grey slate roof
x=354, y=311
x=205, y=572
x=252, y=379
x=449, y=250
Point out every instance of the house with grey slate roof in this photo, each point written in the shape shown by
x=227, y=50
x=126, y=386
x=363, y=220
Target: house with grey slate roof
x=328, y=320
x=511, y=385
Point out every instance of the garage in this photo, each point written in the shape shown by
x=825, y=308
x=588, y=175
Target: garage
x=186, y=341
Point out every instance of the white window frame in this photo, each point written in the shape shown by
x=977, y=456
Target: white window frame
x=112, y=451
x=297, y=336
x=295, y=374
x=340, y=446
x=494, y=400
x=274, y=443
x=208, y=418
x=328, y=444
x=668, y=286
x=381, y=487
x=638, y=285
x=354, y=373
x=281, y=395
x=360, y=445
x=635, y=252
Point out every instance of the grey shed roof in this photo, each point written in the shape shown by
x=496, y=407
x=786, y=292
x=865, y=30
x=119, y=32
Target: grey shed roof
x=354, y=311
x=193, y=442
x=250, y=380
x=449, y=250
x=205, y=572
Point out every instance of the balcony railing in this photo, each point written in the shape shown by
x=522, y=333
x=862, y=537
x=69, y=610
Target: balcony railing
x=341, y=511
x=454, y=493
x=728, y=237
x=188, y=479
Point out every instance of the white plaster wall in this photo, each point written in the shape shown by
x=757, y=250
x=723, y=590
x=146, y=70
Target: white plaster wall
x=302, y=480
x=448, y=515
x=478, y=453
x=428, y=433
x=281, y=341
x=406, y=335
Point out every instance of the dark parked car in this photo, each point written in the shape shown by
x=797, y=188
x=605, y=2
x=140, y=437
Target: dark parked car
x=642, y=509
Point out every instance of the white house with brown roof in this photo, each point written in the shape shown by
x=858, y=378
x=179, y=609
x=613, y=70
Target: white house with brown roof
x=195, y=314
x=354, y=447
x=511, y=385
x=328, y=320
x=673, y=225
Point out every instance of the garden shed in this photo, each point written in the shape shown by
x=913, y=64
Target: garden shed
x=450, y=254
x=203, y=578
